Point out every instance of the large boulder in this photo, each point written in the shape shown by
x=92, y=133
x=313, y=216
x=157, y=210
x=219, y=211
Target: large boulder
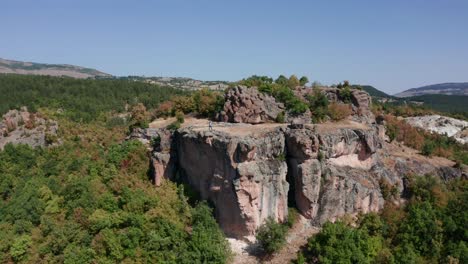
x=248, y=105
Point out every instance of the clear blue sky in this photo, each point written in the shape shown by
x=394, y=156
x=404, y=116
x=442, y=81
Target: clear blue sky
x=393, y=45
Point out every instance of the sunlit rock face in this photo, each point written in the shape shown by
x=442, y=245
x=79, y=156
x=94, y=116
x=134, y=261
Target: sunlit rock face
x=252, y=172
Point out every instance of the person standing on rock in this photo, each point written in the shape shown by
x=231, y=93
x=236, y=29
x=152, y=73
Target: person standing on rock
x=210, y=126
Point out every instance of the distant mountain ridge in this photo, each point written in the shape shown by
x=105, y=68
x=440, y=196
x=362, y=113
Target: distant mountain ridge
x=21, y=67
x=441, y=88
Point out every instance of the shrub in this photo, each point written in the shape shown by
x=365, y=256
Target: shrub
x=184, y=104
x=293, y=82
x=403, y=132
x=208, y=103
x=280, y=118
x=318, y=104
x=174, y=125
x=320, y=156
x=20, y=246
x=271, y=236
x=50, y=138
x=180, y=117
x=345, y=94
x=428, y=148
x=339, y=111
x=281, y=157
x=293, y=215
x=164, y=109
x=338, y=243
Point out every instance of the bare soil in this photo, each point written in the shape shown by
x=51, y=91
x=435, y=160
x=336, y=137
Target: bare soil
x=242, y=129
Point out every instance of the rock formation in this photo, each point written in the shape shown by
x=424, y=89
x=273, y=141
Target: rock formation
x=23, y=127
x=247, y=105
x=252, y=172
x=458, y=129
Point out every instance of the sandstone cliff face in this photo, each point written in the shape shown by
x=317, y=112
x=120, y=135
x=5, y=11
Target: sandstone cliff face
x=243, y=177
x=248, y=177
x=331, y=172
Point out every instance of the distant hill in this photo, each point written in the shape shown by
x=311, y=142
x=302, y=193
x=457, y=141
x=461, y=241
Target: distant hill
x=20, y=67
x=443, y=103
x=443, y=88
x=374, y=92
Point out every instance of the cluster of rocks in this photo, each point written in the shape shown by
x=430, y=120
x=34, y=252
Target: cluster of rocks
x=248, y=105
x=23, y=127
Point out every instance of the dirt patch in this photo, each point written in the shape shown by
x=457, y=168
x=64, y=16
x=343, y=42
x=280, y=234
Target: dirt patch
x=242, y=129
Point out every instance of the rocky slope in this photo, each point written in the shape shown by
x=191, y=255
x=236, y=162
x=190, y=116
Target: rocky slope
x=23, y=127
x=20, y=67
x=458, y=129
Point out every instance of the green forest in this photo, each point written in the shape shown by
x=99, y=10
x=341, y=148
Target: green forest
x=81, y=100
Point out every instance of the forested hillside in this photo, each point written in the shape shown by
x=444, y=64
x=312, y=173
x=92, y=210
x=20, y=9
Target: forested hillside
x=444, y=103
x=81, y=100
x=90, y=199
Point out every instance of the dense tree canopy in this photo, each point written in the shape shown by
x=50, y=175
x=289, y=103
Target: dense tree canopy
x=81, y=100
x=89, y=200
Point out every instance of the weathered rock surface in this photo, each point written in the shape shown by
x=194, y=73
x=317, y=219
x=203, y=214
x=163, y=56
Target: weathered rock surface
x=458, y=129
x=360, y=103
x=248, y=105
x=327, y=170
x=320, y=164
x=23, y=127
x=243, y=176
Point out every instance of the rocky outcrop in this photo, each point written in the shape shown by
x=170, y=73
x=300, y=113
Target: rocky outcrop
x=252, y=172
x=331, y=172
x=458, y=129
x=244, y=177
x=360, y=103
x=247, y=177
x=248, y=105
x=23, y=127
